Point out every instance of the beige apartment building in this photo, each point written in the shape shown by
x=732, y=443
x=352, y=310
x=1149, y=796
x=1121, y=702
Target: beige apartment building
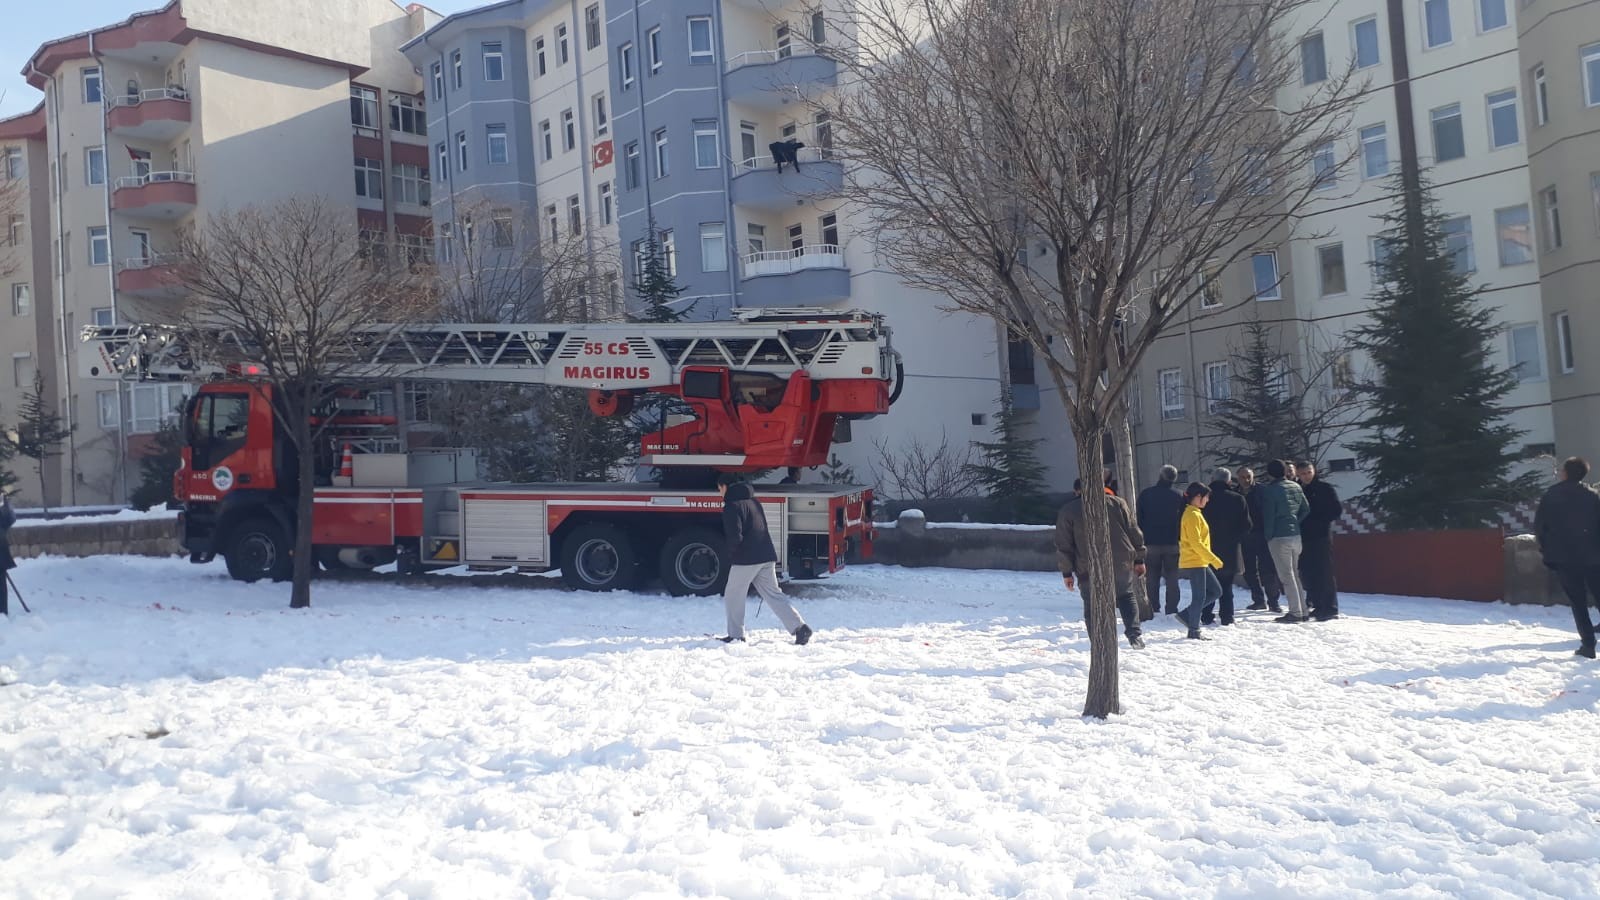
x=149, y=125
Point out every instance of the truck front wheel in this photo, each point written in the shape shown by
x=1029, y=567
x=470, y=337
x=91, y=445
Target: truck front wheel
x=258, y=548
x=694, y=562
x=599, y=558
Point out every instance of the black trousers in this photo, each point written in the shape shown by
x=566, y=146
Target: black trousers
x=1125, y=608
x=1259, y=572
x=1316, y=575
x=1581, y=583
x=5, y=585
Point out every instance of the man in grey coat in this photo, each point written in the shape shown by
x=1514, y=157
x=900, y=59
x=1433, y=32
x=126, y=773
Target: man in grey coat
x=1283, y=510
x=1127, y=557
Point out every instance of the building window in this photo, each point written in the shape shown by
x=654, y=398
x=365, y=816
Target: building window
x=1364, y=36
x=21, y=300
x=17, y=230
x=409, y=184
x=756, y=238
x=461, y=151
x=822, y=132
x=1541, y=97
x=109, y=411
x=101, y=317
x=1436, y=23
x=1552, y=218
x=591, y=26
x=630, y=165
x=705, y=144
x=1313, y=59
x=547, y=142
x=797, y=237
x=1492, y=15
x=1172, y=399
x=781, y=39
x=828, y=229
x=442, y=170
x=406, y=114
x=1264, y=271
x=447, y=244
x=1590, y=56
x=1374, y=151
x=1458, y=245
x=1330, y=263
x=747, y=143
x=1594, y=197
x=819, y=28
x=552, y=222
x=1527, y=362
x=538, y=56
x=652, y=43
x=494, y=62
x=563, y=51
x=713, y=247
x=574, y=215
x=1325, y=166
x=500, y=233
x=1219, y=387
x=1513, y=229
x=1564, y=357
x=1449, y=142
x=700, y=52
x=499, y=146
x=94, y=165
x=91, y=84
x=1382, y=248
x=602, y=123
x=438, y=81
x=156, y=405
x=625, y=65
x=369, y=178
x=605, y=203
x=99, y=246
x=458, y=69
x=364, y=107
x=669, y=253
x=1503, y=126
x=569, y=130
x=22, y=370
x=12, y=169
x=1210, y=284
x=658, y=143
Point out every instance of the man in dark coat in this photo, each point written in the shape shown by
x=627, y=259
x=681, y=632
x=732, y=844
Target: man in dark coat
x=8, y=518
x=1259, y=572
x=1160, y=508
x=1127, y=557
x=752, y=561
x=1316, y=538
x=1229, y=519
x=1568, y=528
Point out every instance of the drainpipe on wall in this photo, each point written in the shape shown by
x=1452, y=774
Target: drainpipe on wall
x=123, y=400
x=644, y=162
x=1188, y=334
x=586, y=167
x=727, y=139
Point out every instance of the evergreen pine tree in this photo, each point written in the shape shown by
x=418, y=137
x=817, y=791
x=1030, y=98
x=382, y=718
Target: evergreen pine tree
x=1010, y=470
x=1440, y=449
x=156, y=470
x=1262, y=418
x=7, y=452
x=656, y=288
x=39, y=432
x=835, y=471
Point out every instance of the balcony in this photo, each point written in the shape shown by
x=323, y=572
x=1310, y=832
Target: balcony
x=758, y=184
x=159, y=115
x=155, y=195
x=771, y=79
x=805, y=276
x=151, y=277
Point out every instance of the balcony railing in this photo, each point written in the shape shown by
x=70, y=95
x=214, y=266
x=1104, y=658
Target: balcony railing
x=805, y=155
x=763, y=57
x=167, y=93
x=139, y=181
x=796, y=259
x=151, y=261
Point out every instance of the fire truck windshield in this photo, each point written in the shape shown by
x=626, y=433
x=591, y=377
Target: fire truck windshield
x=221, y=422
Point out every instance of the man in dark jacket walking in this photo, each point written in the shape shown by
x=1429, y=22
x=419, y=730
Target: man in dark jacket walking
x=1160, y=509
x=1127, y=558
x=1259, y=573
x=1229, y=519
x=1568, y=528
x=752, y=561
x=1316, y=539
x=8, y=518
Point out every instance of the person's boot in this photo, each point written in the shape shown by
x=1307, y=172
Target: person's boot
x=1136, y=642
x=1585, y=650
x=1274, y=607
x=1196, y=634
x=1257, y=605
x=1290, y=619
x=802, y=635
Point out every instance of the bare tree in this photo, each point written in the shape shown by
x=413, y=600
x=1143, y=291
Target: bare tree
x=13, y=202
x=1074, y=169
x=291, y=281
x=920, y=472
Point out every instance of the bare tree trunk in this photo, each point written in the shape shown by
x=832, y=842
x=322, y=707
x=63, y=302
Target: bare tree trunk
x=1104, y=695
x=1128, y=479
x=305, y=497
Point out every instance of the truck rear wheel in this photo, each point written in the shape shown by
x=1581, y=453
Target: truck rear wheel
x=599, y=558
x=694, y=562
x=258, y=548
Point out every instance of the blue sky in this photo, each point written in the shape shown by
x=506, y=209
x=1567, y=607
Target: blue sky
x=29, y=23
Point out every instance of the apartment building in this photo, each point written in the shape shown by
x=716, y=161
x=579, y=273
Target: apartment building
x=610, y=120
x=1558, y=46
x=148, y=126
x=1445, y=95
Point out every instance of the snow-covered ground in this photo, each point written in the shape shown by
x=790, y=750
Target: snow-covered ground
x=168, y=733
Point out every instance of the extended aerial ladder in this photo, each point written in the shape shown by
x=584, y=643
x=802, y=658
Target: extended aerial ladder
x=766, y=388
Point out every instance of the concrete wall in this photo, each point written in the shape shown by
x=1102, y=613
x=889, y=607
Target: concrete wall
x=122, y=537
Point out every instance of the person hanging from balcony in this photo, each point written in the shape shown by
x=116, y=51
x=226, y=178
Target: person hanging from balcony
x=786, y=151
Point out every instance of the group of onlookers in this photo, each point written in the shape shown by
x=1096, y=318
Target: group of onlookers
x=1276, y=532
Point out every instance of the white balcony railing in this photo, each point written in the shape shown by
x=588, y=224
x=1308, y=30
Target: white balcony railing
x=797, y=259
x=805, y=155
x=763, y=57
x=167, y=93
x=138, y=181
x=150, y=261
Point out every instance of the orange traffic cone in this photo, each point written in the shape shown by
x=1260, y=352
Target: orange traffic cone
x=347, y=466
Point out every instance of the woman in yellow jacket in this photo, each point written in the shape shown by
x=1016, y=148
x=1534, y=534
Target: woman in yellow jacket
x=1196, y=560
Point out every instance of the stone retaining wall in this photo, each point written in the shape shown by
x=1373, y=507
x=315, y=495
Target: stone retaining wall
x=154, y=536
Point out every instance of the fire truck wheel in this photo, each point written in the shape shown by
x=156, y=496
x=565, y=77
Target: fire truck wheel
x=599, y=558
x=692, y=562
x=258, y=549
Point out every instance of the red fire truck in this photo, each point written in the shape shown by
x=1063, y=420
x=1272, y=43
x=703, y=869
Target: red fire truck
x=765, y=390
